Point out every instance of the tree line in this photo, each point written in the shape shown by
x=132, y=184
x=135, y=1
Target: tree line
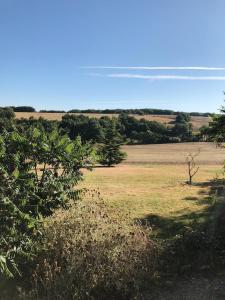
x=137, y=111
x=131, y=130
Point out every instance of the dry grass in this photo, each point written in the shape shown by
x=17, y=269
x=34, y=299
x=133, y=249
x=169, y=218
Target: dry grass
x=165, y=119
x=57, y=116
x=91, y=252
x=174, y=153
x=152, y=189
x=149, y=184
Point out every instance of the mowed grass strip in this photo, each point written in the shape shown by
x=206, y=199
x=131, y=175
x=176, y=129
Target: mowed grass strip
x=165, y=119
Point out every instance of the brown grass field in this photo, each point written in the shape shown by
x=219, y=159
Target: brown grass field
x=151, y=184
x=165, y=119
x=174, y=153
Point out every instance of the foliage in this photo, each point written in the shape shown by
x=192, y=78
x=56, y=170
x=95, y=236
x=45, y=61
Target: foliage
x=217, y=127
x=23, y=108
x=141, y=111
x=87, y=128
x=204, y=133
x=183, y=128
x=182, y=131
x=93, y=252
x=38, y=172
x=110, y=153
x=132, y=130
x=52, y=111
x=137, y=111
x=42, y=124
x=142, y=131
x=7, y=117
x=183, y=118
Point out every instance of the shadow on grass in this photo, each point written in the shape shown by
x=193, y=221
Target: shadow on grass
x=168, y=228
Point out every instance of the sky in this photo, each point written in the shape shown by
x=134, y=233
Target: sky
x=67, y=54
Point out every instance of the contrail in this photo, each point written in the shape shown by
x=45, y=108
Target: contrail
x=164, y=77
x=198, y=68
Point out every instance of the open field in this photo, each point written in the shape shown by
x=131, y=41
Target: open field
x=173, y=153
x=152, y=188
x=165, y=119
x=156, y=189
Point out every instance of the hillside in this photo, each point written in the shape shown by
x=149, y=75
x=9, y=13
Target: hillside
x=166, y=119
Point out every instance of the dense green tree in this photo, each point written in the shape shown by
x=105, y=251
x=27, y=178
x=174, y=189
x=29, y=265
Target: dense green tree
x=183, y=128
x=142, y=131
x=182, y=118
x=109, y=152
x=216, y=129
x=204, y=133
x=182, y=131
x=87, y=128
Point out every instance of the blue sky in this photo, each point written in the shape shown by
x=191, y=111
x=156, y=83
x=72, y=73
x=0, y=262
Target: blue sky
x=64, y=54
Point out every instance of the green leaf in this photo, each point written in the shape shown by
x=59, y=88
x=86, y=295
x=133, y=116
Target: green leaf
x=53, y=136
x=36, y=133
x=69, y=148
x=63, y=140
x=16, y=173
x=4, y=268
x=45, y=146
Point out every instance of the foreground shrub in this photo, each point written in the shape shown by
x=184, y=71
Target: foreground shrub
x=92, y=252
x=38, y=172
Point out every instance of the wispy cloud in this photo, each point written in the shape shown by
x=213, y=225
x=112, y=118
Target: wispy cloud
x=160, y=77
x=196, y=68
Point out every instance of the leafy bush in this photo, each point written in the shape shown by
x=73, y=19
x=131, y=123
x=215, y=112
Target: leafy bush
x=7, y=117
x=38, y=172
x=92, y=252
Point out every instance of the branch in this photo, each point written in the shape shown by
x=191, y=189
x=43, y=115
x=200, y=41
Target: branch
x=43, y=173
x=36, y=172
x=195, y=171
